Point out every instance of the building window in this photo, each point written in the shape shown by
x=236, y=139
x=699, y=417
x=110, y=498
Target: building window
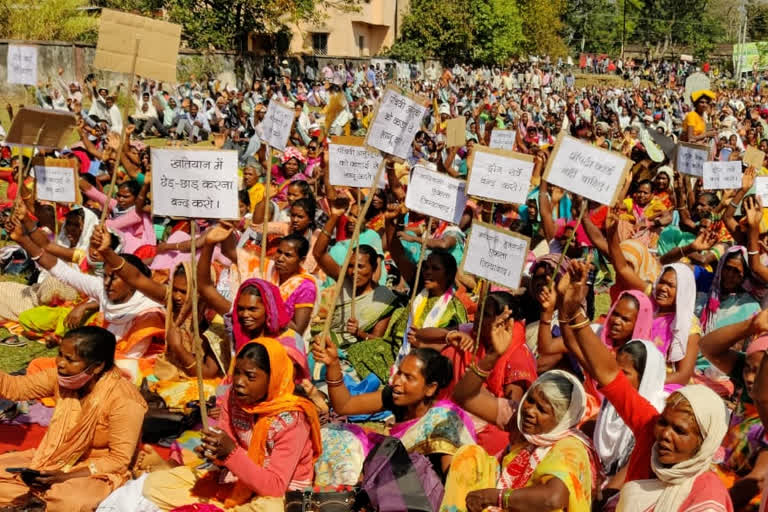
x=361, y=44
x=320, y=43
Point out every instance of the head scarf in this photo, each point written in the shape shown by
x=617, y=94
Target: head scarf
x=280, y=399
x=674, y=483
x=517, y=473
x=645, y=265
x=292, y=152
x=643, y=322
x=665, y=169
x=90, y=220
x=277, y=317
x=697, y=95
x=713, y=304
x=550, y=262
x=276, y=313
x=685, y=304
x=613, y=439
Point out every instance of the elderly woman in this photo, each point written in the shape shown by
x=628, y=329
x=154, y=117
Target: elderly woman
x=669, y=469
x=88, y=448
x=551, y=466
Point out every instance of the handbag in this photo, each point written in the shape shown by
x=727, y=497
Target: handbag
x=332, y=501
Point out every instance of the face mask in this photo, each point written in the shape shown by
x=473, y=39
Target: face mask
x=75, y=382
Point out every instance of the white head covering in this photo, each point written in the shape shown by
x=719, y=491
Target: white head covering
x=674, y=483
x=685, y=303
x=614, y=441
x=90, y=220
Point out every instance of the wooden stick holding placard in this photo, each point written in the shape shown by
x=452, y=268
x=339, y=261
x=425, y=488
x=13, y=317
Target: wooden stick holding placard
x=25, y=171
x=485, y=286
x=265, y=221
x=343, y=271
x=424, y=238
x=197, y=342
x=354, y=276
x=115, y=167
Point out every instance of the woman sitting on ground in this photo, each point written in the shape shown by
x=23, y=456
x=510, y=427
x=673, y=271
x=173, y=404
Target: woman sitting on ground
x=88, y=448
x=669, y=469
x=551, y=467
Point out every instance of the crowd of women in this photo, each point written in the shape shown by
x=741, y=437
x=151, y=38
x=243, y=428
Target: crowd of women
x=626, y=373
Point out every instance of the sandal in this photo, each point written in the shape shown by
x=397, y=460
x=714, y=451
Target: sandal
x=13, y=341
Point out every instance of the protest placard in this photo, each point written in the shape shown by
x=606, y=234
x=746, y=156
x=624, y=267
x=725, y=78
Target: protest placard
x=495, y=254
x=721, y=175
x=277, y=125
x=129, y=43
x=22, y=64
x=753, y=157
x=503, y=139
x=588, y=171
x=195, y=183
x=499, y=175
x=395, y=123
x=690, y=159
x=33, y=126
x=352, y=164
x=456, y=132
x=435, y=194
x=57, y=183
x=761, y=189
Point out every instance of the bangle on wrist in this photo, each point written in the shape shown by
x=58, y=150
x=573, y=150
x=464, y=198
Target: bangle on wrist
x=753, y=253
x=39, y=255
x=119, y=267
x=580, y=325
x=325, y=232
x=477, y=371
x=733, y=205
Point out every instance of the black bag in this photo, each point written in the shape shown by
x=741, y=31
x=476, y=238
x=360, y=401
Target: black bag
x=309, y=501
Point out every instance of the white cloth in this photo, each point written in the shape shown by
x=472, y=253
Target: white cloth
x=128, y=498
x=674, y=483
x=119, y=317
x=685, y=303
x=90, y=220
x=613, y=439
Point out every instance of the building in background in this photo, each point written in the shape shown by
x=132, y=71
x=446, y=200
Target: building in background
x=346, y=34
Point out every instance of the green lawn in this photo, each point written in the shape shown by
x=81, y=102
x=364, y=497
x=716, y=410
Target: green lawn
x=16, y=358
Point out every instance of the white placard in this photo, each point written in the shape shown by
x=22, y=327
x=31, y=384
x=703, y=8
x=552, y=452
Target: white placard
x=22, y=64
x=353, y=166
x=397, y=120
x=499, y=175
x=495, y=254
x=722, y=175
x=591, y=172
x=277, y=125
x=55, y=184
x=761, y=189
x=503, y=139
x=437, y=195
x=690, y=159
x=194, y=184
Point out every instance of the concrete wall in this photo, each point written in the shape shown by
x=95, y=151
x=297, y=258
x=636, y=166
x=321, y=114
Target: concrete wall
x=76, y=61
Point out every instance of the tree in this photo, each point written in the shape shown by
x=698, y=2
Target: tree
x=49, y=20
x=671, y=24
x=757, y=29
x=480, y=31
x=543, y=27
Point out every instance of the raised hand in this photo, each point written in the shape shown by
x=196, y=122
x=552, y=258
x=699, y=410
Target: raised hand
x=753, y=210
x=501, y=331
x=100, y=238
x=218, y=234
x=704, y=241
x=748, y=179
x=460, y=340
x=759, y=323
x=327, y=355
x=574, y=292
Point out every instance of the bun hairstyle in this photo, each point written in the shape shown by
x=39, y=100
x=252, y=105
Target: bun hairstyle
x=435, y=367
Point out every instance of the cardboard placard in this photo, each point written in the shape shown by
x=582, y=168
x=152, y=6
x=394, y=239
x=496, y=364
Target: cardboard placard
x=352, y=164
x=499, y=175
x=22, y=64
x=495, y=254
x=588, y=171
x=56, y=127
x=456, y=132
x=156, y=43
x=395, y=123
x=503, y=139
x=57, y=181
x=195, y=183
x=690, y=159
x=721, y=175
x=753, y=157
x=761, y=189
x=277, y=125
x=667, y=144
x=435, y=194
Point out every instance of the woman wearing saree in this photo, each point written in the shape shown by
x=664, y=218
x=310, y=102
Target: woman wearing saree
x=88, y=448
x=265, y=445
x=373, y=305
x=551, y=467
x=669, y=469
x=745, y=460
x=298, y=289
x=423, y=423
